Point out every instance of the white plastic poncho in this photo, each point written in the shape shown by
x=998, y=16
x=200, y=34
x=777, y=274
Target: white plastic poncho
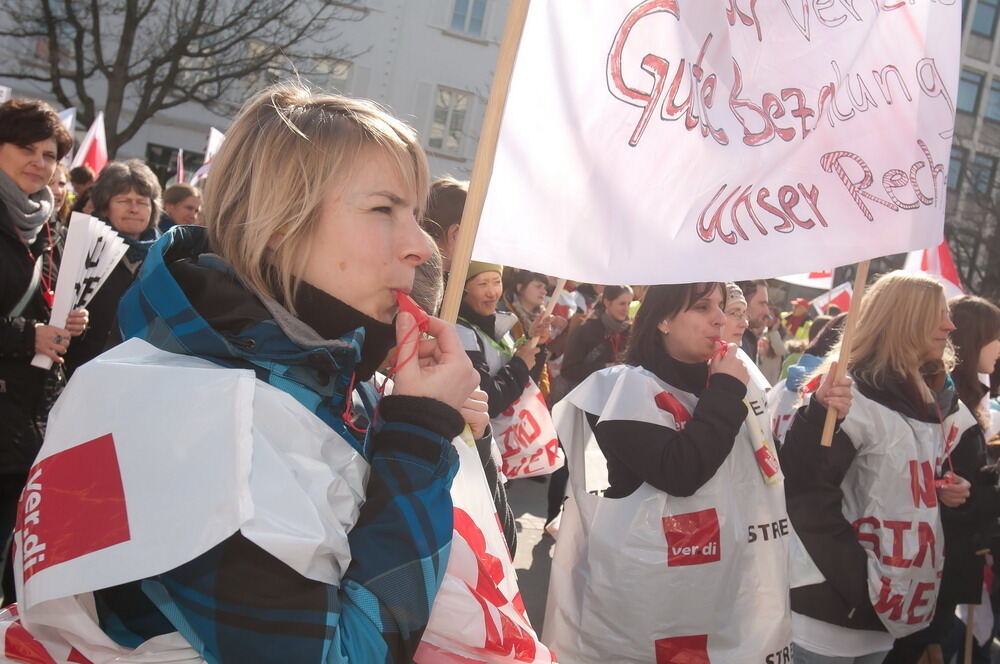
x=657, y=578
x=165, y=484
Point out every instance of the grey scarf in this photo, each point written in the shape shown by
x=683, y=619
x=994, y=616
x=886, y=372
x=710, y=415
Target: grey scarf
x=28, y=212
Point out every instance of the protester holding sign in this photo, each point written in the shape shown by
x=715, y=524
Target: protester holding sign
x=684, y=556
x=32, y=141
x=126, y=196
x=969, y=528
x=866, y=509
x=291, y=535
x=505, y=365
x=527, y=302
x=509, y=370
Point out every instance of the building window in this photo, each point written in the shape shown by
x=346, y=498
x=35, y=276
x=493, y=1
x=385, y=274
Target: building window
x=984, y=19
x=450, y=110
x=970, y=88
x=993, y=103
x=333, y=74
x=956, y=167
x=468, y=16
x=162, y=160
x=984, y=170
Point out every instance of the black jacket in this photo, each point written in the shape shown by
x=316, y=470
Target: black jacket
x=590, y=348
x=969, y=528
x=813, y=477
x=26, y=392
x=676, y=462
x=507, y=385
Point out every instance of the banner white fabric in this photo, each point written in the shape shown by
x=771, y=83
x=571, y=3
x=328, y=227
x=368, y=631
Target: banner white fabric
x=478, y=615
x=671, y=141
x=526, y=436
x=652, y=577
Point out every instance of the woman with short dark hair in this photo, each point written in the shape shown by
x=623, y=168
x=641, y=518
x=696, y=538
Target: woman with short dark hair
x=32, y=141
x=126, y=196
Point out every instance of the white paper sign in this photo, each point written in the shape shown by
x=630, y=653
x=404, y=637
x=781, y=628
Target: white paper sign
x=673, y=141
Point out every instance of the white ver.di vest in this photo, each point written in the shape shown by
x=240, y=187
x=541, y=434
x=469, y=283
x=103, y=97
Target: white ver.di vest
x=652, y=577
x=891, y=500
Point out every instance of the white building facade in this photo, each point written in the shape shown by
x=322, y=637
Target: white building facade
x=430, y=62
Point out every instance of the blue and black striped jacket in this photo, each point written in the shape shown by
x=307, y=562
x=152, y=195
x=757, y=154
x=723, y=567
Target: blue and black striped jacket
x=237, y=603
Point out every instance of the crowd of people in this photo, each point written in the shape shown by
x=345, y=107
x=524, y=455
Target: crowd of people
x=723, y=518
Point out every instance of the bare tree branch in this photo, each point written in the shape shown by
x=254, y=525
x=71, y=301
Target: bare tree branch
x=147, y=56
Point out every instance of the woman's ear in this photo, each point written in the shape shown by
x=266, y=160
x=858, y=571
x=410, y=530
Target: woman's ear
x=663, y=326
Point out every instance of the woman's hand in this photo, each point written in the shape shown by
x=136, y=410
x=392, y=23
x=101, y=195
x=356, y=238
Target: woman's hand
x=836, y=394
x=541, y=328
x=730, y=364
x=527, y=353
x=438, y=368
x=51, y=341
x=955, y=492
x=476, y=412
x=77, y=322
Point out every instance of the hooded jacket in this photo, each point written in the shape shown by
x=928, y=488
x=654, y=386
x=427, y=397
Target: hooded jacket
x=237, y=602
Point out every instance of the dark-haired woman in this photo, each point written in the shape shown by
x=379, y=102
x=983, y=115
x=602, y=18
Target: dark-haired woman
x=968, y=528
x=526, y=300
x=126, y=196
x=684, y=557
x=32, y=141
x=600, y=341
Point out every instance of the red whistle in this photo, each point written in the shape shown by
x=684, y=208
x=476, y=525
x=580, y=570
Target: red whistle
x=720, y=348
x=406, y=303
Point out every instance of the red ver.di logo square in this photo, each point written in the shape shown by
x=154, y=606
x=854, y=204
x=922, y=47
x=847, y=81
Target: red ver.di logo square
x=682, y=650
x=692, y=538
x=73, y=504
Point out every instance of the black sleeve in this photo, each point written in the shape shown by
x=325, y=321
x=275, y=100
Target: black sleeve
x=498, y=491
x=580, y=360
x=540, y=358
x=968, y=459
x=813, y=475
x=680, y=462
x=506, y=386
x=17, y=337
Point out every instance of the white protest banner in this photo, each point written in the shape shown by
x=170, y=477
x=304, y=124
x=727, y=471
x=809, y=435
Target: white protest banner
x=681, y=140
x=91, y=252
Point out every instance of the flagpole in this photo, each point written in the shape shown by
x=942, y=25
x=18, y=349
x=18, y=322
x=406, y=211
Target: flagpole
x=846, y=344
x=482, y=168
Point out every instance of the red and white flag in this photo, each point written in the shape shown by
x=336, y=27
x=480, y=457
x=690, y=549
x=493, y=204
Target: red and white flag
x=822, y=279
x=837, y=297
x=93, y=149
x=215, y=138
x=938, y=263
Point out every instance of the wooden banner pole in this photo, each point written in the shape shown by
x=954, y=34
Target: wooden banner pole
x=860, y=279
x=551, y=306
x=482, y=168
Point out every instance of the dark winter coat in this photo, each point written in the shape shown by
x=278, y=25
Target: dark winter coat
x=26, y=392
